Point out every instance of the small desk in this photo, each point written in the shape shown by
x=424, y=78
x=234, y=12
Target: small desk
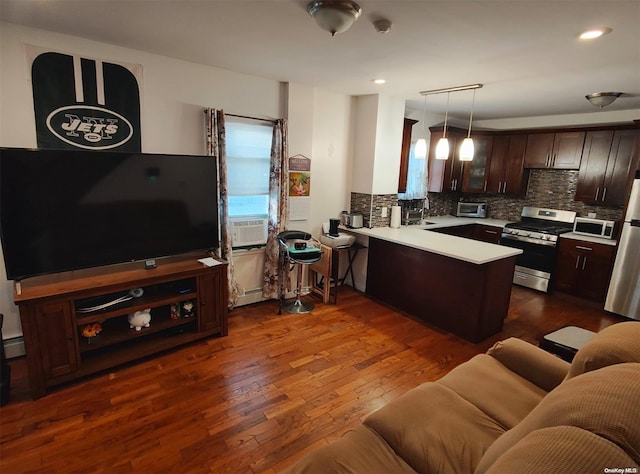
x=336, y=254
x=335, y=280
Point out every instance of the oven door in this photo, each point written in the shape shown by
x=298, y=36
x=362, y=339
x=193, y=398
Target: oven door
x=535, y=256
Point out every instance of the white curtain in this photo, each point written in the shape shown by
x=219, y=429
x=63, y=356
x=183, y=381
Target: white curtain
x=416, y=177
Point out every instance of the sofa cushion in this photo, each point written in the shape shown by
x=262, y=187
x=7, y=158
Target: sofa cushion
x=358, y=451
x=615, y=344
x=540, y=367
x=562, y=449
x=604, y=402
x=497, y=391
x=435, y=430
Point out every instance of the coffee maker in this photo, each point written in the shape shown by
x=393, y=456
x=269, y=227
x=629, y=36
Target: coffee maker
x=333, y=227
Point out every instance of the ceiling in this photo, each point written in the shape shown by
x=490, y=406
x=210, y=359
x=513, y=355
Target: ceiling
x=525, y=52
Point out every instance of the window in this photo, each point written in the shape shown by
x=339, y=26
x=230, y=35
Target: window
x=248, y=159
x=416, y=177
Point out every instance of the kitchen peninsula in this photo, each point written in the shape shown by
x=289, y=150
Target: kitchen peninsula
x=460, y=285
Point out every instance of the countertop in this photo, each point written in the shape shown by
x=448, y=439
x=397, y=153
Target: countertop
x=419, y=237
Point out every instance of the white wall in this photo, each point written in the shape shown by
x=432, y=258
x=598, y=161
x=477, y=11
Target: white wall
x=174, y=94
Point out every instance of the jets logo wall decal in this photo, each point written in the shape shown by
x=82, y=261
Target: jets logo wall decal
x=89, y=127
x=83, y=103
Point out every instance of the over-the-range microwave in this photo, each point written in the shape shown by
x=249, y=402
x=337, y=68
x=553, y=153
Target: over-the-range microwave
x=594, y=227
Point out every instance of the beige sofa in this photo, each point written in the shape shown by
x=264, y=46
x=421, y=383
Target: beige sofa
x=514, y=409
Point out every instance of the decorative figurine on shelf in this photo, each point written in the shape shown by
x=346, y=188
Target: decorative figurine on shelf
x=92, y=332
x=140, y=319
x=187, y=309
x=175, y=311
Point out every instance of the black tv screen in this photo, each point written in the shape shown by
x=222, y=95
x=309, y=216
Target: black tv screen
x=66, y=210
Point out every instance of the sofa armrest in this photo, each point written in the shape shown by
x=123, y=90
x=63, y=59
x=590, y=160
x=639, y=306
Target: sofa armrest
x=534, y=364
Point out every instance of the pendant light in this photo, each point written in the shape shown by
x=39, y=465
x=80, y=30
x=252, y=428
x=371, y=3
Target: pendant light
x=466, y=149
x=442, y=149
x=420, y=151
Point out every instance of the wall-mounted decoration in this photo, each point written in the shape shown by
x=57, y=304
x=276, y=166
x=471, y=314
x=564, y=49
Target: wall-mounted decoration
x=85, y=103
x=299, y=187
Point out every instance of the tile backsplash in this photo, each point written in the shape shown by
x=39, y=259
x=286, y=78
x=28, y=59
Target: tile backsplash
x=553, y=189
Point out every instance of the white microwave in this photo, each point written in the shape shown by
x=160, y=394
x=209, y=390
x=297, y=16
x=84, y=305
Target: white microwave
x=594, y=227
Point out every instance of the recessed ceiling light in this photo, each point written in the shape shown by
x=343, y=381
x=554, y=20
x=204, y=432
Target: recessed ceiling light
x=379, y=81
x=594, y=33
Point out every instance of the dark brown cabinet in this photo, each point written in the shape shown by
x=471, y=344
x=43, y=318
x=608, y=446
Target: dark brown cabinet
x=445, y=175
x=486, y=233
x=506, y=168
x=561, y=151
x=607, y=166
x=475, y=171
x=584, y=268
x=187, y=301
x=404, y=154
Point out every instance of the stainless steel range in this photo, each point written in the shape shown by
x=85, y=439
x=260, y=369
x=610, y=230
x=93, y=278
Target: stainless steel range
x=536, y=234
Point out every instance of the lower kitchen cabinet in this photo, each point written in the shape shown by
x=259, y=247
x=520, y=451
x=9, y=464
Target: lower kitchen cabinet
x=584, y=268
x=487, y=233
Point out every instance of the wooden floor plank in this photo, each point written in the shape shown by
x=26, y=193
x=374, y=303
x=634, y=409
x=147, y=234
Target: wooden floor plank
x=253, y=402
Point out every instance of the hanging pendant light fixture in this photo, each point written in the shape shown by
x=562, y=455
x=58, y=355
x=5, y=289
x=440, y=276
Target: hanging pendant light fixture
x=442, y=149
x=420, y=151
x=466, y=149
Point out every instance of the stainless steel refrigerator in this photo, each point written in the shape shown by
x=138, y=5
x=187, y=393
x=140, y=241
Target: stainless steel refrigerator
x=624, y=290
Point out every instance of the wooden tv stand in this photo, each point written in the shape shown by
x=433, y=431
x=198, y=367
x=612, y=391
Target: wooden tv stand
x=56, y=349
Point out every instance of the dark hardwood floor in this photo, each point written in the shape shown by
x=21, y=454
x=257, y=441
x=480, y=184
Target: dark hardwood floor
x=255, y=401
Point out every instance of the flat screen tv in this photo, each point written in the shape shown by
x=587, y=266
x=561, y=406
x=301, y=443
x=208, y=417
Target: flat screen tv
x=67, y=210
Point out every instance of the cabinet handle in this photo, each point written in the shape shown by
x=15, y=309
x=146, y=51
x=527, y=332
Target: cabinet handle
x=553, y=160
x=597, y=192
x=577, y=262
x=604, y=194
x=584, y=248
x=485, y=186
x=584, y=262
x=504, y=188
x=493, y=232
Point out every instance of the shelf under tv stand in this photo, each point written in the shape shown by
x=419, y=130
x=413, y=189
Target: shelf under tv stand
x=58, y=352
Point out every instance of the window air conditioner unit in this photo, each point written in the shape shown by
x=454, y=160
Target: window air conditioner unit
x=248, y=231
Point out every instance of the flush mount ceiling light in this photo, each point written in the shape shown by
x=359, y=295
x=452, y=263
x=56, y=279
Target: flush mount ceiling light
x=594, y=33
x=602, y=99
x=335, y=16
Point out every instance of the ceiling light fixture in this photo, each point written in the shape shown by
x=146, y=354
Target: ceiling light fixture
x=420, y=151
x=442, y=148
x=602, y=99
x=379, y=81
x=335, y=16
x=467, y=149
x=594, y=33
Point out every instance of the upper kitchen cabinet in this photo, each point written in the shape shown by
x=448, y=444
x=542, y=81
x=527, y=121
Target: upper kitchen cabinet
x=404, y=154
x=560, y=151
x=608, y=161
x=506, y=167
x=445, y=175
x=475, y=172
